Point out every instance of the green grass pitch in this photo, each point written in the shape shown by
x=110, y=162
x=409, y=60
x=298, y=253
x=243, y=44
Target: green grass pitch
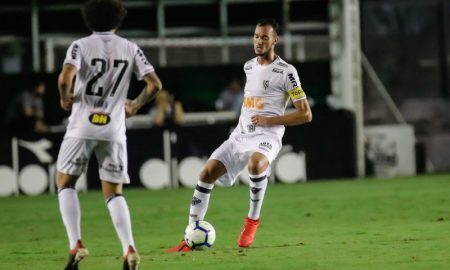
x=401, y=223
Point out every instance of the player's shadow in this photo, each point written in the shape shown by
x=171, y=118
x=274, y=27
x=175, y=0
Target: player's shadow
x=272, y=246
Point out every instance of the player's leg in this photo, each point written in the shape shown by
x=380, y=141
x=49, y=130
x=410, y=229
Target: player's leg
x=113, y=171
x=120, y=216
x=200, y=200
x=72, y=160
x=257, y=167
x=69, y=207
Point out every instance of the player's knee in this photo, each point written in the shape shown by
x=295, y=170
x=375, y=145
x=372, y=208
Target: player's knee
x=256, y=166
x=65, y=181
x=206, y=176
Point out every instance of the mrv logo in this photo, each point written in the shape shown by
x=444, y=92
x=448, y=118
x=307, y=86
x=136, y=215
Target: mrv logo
x=292, y=79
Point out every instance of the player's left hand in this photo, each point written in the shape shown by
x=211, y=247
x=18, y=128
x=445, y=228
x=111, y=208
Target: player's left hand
x=130, y=108
x=260, y=120
x=67, y=102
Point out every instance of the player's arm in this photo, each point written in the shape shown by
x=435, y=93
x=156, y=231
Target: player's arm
x=65, y=81
x=301, y=115
x=153, y=86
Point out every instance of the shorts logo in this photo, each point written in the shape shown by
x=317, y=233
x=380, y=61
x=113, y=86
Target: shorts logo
x=113, y=168
x=99, y=119
x=79, y=161
x=251, y=128
x=266, y=84
x=195, y=201
x=292, y=79
x=266, y=146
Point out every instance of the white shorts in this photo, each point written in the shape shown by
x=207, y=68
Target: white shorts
x=235, y=152
x=112, y=158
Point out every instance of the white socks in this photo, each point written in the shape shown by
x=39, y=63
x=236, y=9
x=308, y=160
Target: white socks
x=258, y=185
x=69, y=207
x=200, y=201
x=120, y=216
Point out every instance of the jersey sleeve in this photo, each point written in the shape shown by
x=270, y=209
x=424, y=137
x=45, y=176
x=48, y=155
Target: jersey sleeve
x=73, y=55
x=141, y=65
x=293, y=86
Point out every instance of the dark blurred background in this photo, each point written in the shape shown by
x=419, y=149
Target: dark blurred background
x=198, y=47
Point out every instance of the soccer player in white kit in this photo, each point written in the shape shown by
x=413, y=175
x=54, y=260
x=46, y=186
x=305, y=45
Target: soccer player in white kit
x=256, y=140
x=103, y=64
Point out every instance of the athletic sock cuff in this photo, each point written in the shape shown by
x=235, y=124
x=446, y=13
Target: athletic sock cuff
x=110, y=198
x=258, y=178
x=63, y=188
x=205, y=185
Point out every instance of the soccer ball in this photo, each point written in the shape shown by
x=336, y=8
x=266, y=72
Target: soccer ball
x=199, y=234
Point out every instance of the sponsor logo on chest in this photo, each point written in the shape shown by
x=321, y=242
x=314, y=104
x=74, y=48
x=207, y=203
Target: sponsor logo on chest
x=253, y=103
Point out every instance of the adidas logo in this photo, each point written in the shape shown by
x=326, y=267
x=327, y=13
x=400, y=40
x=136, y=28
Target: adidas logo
x=195, y=201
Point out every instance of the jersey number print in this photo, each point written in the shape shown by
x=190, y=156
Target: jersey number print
x=122, y=64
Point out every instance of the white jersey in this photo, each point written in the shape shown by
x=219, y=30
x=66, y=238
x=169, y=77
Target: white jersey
x=267, y=93
x=105, y=64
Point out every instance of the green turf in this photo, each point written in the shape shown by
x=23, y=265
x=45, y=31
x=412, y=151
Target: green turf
x=358, y=224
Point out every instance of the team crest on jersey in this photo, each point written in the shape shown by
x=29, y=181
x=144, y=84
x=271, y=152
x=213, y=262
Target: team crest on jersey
x=266, y=84
x=99, y=119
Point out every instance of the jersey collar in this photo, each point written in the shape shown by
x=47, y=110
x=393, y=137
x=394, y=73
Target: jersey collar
x=277, y=58
x=104, y=33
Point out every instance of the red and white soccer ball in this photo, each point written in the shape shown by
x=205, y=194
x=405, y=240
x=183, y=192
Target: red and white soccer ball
x=200, y=235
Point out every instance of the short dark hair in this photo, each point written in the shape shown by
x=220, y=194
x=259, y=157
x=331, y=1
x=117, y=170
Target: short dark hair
x=269, y=21
x=103, y=15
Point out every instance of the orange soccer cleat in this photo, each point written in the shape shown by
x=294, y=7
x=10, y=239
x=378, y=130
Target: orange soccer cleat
x=248, y=232
x=182, y=247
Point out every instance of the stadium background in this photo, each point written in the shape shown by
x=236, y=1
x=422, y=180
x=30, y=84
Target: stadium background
x=334, y=214
x=405, y=84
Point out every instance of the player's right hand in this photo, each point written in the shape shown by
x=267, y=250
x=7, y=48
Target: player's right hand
x=130, y=108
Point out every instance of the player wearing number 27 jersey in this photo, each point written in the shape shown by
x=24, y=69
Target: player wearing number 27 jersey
x=105, y=63
x=102, y=65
